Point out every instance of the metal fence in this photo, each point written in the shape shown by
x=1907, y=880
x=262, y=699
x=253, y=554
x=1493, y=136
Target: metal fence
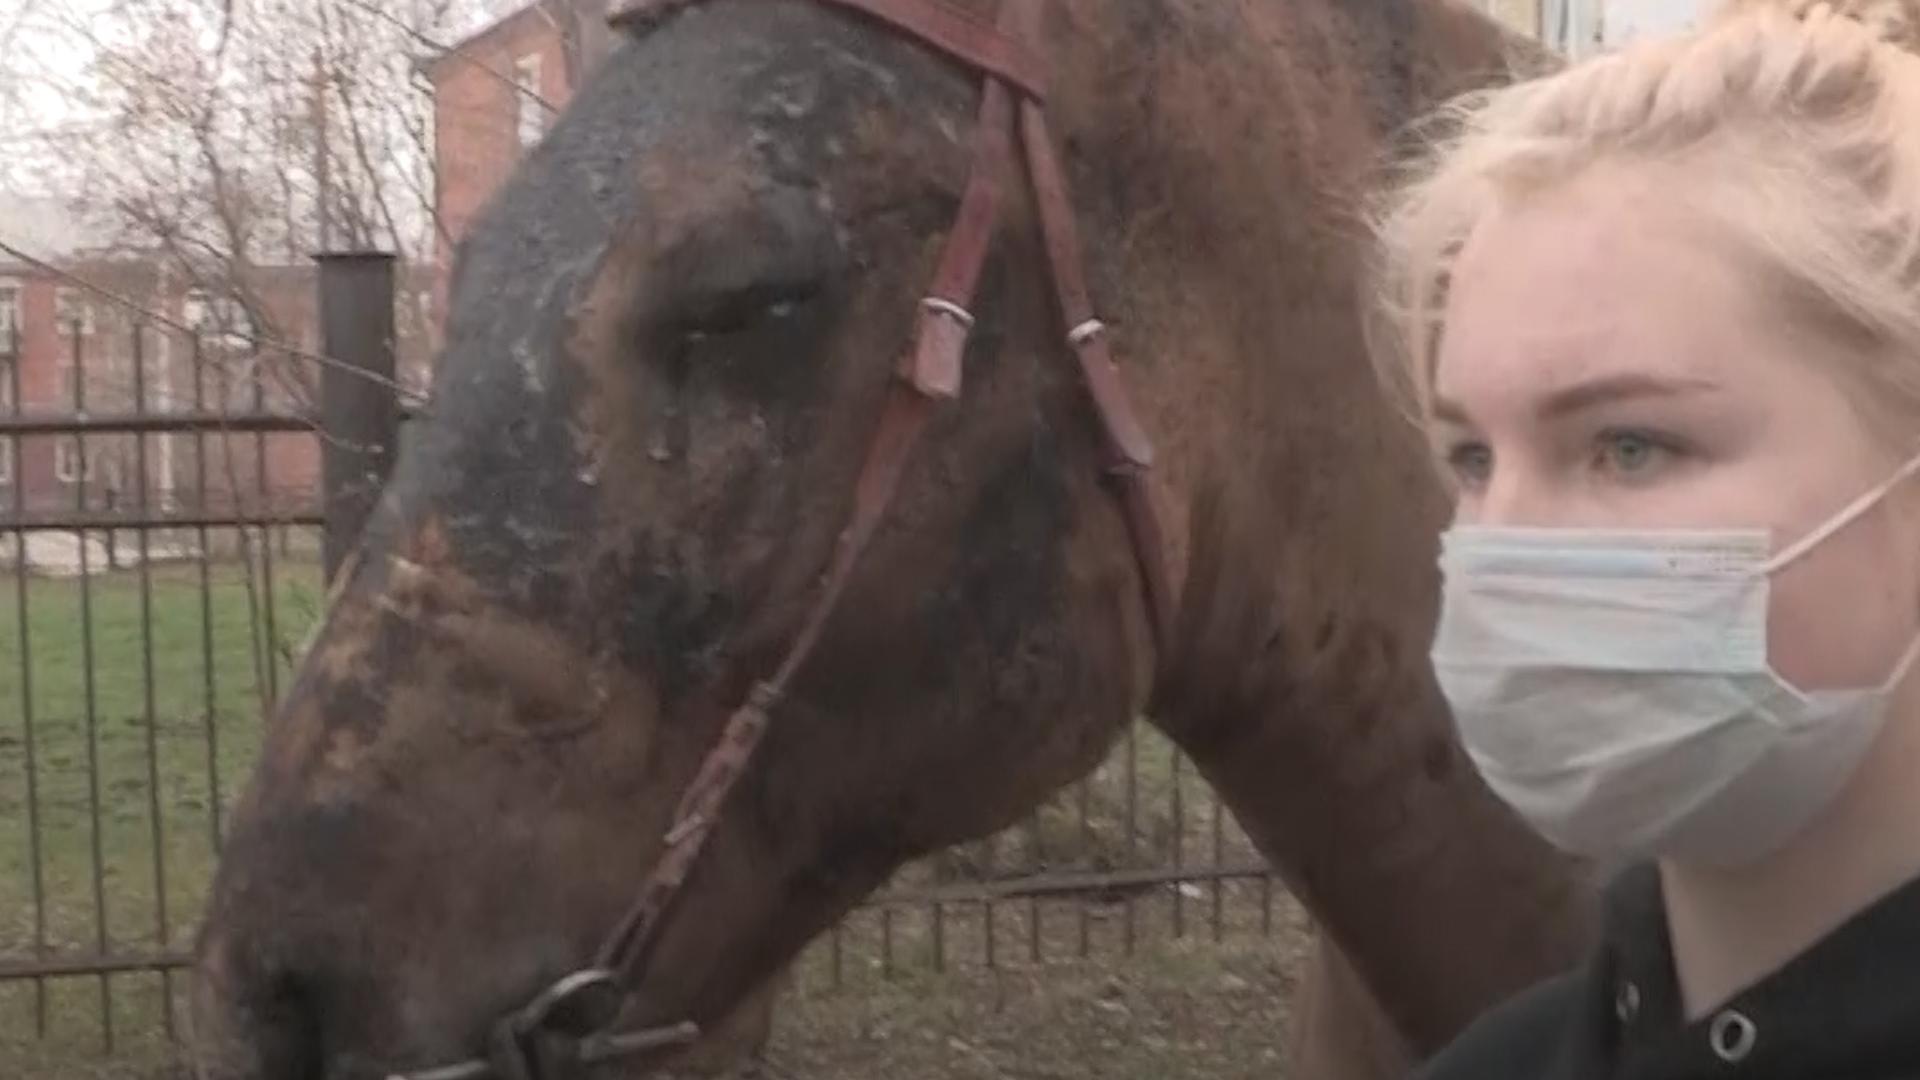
x=160, y=586
x=1136, y=853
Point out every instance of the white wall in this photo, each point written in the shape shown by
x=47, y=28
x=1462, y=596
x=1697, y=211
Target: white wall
x=1625, y=20
x=1584, y=27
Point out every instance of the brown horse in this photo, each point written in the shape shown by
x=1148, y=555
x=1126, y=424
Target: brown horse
x=669, y=342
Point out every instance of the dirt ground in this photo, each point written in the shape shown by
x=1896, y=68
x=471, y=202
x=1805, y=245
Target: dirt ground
x=1178, y=1008
x=1188, y=1011
x=915, y=1003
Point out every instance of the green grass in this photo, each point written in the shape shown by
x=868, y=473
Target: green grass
x=93, y=745
x=166, y=717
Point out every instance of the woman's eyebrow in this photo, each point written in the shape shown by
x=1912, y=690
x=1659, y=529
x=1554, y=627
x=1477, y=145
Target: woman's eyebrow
x=1620, y=386
x=1590, y=393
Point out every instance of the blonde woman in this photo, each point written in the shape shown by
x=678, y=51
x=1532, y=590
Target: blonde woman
x=1660, y=313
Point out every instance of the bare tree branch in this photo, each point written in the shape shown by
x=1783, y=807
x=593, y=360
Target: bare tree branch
x=358, y=137
x=440, y=50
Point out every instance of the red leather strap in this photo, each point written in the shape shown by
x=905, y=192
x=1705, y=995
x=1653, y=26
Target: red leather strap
x=951, y=29
x=1062, y=236
x=929, y=371
x=1126, y=440
x=941, y=337
x=626, y=951
x=926, y=373
x=963, y=36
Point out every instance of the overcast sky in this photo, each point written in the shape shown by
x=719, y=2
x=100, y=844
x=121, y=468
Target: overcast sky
x=43, y=56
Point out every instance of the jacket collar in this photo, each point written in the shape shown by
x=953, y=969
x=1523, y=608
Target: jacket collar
x=1849, y=1006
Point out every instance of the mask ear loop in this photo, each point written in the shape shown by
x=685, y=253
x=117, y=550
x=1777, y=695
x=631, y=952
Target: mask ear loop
x=1903, y=667
x=1842, y=519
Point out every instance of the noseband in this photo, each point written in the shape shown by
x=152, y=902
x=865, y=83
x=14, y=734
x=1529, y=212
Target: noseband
x=566, y=1027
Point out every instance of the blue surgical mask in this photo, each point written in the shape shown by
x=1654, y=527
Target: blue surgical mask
x=1613, y=687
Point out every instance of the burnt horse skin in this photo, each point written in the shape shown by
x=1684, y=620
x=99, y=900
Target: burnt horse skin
x=669, y=337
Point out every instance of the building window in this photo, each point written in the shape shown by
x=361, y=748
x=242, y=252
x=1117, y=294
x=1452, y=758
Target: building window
x=530, y=112
x=71, y=309
x=67, y=458
x=10, y=322
x=102, y=464
x=219, y=320
x=69, y=379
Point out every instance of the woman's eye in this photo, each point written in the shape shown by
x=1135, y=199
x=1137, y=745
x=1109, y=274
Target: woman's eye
x=1471, y=463
x=1630, y=453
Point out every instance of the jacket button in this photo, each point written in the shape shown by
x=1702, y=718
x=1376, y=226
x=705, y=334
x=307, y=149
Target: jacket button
x=1732, y=1036
x=1626, y=1002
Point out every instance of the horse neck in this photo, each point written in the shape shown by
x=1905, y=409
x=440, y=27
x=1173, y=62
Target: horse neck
x=1220, y=150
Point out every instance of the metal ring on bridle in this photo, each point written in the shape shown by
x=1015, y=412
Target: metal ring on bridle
x=1085, y=332
x=568, y=990
x=950, y=309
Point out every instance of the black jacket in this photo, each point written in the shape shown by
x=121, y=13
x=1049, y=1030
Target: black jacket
x=1846, y=1009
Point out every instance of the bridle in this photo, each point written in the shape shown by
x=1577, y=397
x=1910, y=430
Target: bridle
x=566, y=1025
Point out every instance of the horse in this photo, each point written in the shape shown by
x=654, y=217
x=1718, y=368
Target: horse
x=852, y=414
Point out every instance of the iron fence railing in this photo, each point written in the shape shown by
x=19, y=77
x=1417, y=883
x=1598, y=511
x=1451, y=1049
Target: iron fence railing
x=154, y=597
x=160, y=527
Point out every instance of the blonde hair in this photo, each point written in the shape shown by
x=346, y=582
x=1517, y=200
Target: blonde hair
x=1800, y=121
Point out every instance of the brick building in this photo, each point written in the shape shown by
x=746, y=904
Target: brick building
x=65, y=349
x=495, y=92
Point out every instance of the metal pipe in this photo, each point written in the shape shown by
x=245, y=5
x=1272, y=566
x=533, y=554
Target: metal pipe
x=208, y=517
x=153, y=423
x=359, y=414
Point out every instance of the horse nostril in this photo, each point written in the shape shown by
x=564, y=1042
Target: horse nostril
x=257, y=1026
x=288, y=1020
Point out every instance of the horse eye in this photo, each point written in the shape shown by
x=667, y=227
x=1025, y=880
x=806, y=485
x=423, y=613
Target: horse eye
x=744, y=308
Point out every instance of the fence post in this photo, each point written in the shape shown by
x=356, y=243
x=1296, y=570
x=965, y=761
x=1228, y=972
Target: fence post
x=358, y=409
